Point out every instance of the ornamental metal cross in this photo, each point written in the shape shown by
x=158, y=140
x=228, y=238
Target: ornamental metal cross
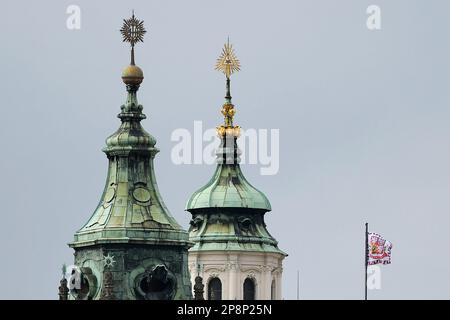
x=133, y=31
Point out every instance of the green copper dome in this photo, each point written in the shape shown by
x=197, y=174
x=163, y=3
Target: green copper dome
x=228, y=188
x=131, y=248
x=131, y=208
x=228, y=212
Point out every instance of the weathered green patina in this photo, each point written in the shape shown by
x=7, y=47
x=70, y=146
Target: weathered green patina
x=131, y=247
x=228, y=212
x=228, y=188
x=131, y=208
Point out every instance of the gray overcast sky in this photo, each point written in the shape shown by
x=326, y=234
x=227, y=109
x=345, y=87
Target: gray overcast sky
x=363, y=118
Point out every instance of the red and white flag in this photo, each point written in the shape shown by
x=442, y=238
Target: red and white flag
x=379, y=250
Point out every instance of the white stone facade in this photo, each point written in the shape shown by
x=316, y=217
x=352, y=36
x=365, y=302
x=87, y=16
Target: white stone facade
x=232, y=268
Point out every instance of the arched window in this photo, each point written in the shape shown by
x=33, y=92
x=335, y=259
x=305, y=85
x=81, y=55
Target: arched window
x=249, y=289
x=215, y=289
x=273, y=290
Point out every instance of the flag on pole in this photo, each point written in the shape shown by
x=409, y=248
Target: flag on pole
x=379, y=249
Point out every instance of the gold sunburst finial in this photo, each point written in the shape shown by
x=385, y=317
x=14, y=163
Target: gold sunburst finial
x=228, y=63
x=133, y=32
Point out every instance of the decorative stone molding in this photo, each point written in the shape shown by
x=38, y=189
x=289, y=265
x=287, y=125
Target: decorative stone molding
x=214, y=268
x=254, y=269
x=251, y=275
x=233, y=266
x=212, y=275
x=277, y=271
x=267, y=268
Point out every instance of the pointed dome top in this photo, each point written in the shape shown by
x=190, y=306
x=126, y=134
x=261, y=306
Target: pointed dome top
x=131, y=209
x=228, y=188
x=132, y=32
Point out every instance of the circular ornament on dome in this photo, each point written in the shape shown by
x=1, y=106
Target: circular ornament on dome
x=110, y=193
x=141, y=194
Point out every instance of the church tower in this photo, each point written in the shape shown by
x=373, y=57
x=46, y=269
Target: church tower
x=131, y=247
x=234, y=253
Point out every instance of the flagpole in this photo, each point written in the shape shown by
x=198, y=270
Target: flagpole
x=298, y=284
x=366, y=259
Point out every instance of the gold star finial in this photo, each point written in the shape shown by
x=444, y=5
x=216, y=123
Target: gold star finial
x=228, y=63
